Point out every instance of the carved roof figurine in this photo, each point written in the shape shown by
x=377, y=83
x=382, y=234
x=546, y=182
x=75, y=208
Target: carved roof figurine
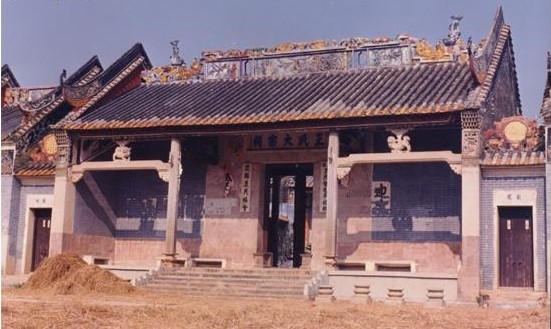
x=454, y=34
x=175, y=57
x=427, y=53
x=62, y=77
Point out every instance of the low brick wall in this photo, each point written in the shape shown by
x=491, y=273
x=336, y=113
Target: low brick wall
x=415, y=285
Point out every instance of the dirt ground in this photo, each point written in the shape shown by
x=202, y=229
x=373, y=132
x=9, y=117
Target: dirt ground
x=32, y=309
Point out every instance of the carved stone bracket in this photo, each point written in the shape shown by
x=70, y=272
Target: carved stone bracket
x=163, y=175
x=471, y=143
x=399, y=143
x=343, y=175
x=63, y=148
x=456, y=167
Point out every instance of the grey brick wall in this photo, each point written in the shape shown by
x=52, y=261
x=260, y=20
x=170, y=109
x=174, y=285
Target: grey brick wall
x=10, y=209
x=139, y=199
x=425, y=203
x=548, y=216
x=487, y=239
x=90, y=217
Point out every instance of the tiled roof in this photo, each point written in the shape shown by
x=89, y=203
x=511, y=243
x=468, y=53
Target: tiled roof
x=401, y=90
x=11, y=119
x=513, y=158
x=56, y=98
x=89, y=94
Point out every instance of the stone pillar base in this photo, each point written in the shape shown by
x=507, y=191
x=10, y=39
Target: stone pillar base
x=362, y=294
x=306, y=261
x=330, y=262
x=395, y=296
x=171, y=262
x=325, y=294
x=263, y=259
x=435, y=297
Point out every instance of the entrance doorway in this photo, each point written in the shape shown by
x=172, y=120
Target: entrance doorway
x=288, y=212
x=41, y=239
x=516, y=259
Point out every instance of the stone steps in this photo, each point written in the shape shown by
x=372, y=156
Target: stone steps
x=229, y=281
x=261, y=283
x=236, y=276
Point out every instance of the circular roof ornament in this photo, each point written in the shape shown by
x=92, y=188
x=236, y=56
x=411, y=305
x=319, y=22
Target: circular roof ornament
x=50, y=145
x=515, y=131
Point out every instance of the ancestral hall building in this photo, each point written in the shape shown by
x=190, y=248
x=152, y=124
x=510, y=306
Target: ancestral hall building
x=378, y=160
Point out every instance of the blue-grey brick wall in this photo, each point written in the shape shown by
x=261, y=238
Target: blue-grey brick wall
x=90, y=217
x=425, y=203
x=10, y=212
x=487, y=238
x=548, y=216
x=139, y=199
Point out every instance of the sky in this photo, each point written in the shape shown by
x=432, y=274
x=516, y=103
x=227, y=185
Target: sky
x=40, y=38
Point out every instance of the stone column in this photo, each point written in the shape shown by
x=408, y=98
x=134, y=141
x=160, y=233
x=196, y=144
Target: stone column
x=63, y=211
x=548, y=201
x=469, y=273
x=332, y=200
x=173, y=197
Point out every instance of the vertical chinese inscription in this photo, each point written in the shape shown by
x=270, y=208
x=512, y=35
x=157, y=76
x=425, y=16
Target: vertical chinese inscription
x=323, y=187
x=245, y=196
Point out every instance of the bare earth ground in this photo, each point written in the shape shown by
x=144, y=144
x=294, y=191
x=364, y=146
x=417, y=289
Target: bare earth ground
x=32, y=309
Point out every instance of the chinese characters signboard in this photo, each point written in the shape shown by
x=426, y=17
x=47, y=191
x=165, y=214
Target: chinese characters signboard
x=288, y=140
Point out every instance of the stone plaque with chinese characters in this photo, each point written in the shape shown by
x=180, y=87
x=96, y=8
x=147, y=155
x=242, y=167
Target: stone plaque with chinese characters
x=287, y=141
x=380, y=197
x=219, y=206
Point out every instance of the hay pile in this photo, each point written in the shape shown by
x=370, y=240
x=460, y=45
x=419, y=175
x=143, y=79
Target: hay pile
x=68, y=273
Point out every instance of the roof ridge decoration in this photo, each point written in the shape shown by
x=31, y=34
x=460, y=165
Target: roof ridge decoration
x=515, y=133
x=294, y=58
x=87, y=95
x=37, y=103
x=8, y=78
x=546, y=104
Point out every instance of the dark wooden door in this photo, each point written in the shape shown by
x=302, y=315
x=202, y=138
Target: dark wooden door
x=286, y=241
x=515, y=247
x=41, y=241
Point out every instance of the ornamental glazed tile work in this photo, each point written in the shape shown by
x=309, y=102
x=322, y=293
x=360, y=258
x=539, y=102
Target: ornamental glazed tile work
x=291, y=58
x=29, y=99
